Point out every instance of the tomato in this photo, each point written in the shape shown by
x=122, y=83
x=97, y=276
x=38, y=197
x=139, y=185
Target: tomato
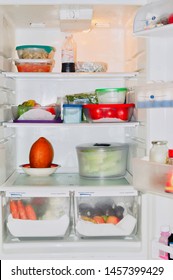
x=96, y=113
x=51, y=110
x=122, y=114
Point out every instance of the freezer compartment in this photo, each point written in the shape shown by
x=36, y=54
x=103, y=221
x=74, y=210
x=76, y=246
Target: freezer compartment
x=31, y=217
x=99, y=214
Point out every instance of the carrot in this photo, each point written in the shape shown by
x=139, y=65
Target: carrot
x=14, y=209
x=31, y=215
x=21, y=209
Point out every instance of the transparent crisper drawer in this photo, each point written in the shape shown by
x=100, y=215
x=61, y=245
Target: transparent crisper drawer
x=32, y=217
x=99, y=214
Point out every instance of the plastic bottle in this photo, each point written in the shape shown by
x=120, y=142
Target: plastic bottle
x=170, y=243
x=164, y=234
x=170, y=157
x=68, y=54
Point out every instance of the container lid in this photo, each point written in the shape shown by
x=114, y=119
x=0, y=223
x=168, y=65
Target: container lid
x=110, y=89
x=102, y=146
x=165, y=228
x=34, y=60
x=48, y=49
x=72, y=105
x=159, y=142
x=108, y=106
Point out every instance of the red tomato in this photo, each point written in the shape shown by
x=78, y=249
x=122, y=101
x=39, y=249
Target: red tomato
x=122, y=114
x=51, y=110
x=96, y=114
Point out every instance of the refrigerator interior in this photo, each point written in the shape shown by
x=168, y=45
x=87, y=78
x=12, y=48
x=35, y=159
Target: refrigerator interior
x=132, y=61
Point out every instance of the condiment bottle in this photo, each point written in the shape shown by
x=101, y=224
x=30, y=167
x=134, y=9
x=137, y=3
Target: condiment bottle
x=159, y=151
x=164, y=234
x=170, y=243
x=68, y=54
x=170, y=157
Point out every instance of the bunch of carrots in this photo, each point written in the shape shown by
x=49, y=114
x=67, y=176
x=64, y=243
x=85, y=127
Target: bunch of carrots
x=21, y=211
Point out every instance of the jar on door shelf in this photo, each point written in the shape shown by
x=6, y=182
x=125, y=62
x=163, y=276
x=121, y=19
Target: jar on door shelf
x=159, y=151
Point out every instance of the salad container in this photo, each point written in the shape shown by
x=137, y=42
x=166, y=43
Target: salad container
x=35, y=52
x=102, y=160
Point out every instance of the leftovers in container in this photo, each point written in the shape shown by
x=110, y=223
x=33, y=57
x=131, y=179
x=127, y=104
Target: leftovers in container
x=35, y=52
x=111, y=95
x=108, y=112
x=34, y=65
x=102, y=160
x=89, y=66
x=72, y=113
x=25, y=112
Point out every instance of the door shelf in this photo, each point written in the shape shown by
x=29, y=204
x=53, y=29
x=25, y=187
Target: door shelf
x=152, y=177
x=152, y=20
x=156, y=246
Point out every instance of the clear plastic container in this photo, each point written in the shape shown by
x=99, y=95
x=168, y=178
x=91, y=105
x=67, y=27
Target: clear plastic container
x=108, y=112
x=72, y=113
x=34, y=65
x=111, y=95
x=102, y=160
x=164, y=234
x=35, y=52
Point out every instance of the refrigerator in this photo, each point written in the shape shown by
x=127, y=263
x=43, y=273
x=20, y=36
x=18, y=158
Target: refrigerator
x=135, y=41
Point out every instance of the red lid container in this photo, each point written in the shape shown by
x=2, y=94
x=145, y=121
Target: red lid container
x=108, y=112
x=170, y=153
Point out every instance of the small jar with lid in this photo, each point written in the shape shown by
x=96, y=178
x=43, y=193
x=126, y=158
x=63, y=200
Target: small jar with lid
x=159, y=151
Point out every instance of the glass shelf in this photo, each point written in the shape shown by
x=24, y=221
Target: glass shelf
x=62, y=76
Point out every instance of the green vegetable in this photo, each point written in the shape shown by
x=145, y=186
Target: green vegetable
x=21, y=109
x=89, y=97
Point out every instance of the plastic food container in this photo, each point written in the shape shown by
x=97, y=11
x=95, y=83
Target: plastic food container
x=103, y=216
x=111, y=95
x=23, y=113
x=34, y=65
x=102, y=160
x=89, y=66
x=35, y=52
x=72, y=113
x=108, y=112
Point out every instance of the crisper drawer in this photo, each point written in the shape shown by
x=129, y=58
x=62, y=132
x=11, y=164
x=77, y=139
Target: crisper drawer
x=107, y=214
x=29, y=216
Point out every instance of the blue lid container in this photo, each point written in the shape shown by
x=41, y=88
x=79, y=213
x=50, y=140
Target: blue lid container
x=72, y=113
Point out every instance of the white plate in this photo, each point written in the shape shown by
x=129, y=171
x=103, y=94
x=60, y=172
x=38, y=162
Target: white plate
x=39, y=171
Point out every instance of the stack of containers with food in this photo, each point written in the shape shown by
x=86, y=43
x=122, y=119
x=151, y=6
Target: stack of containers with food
x=111, y=106
x=35, y=58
